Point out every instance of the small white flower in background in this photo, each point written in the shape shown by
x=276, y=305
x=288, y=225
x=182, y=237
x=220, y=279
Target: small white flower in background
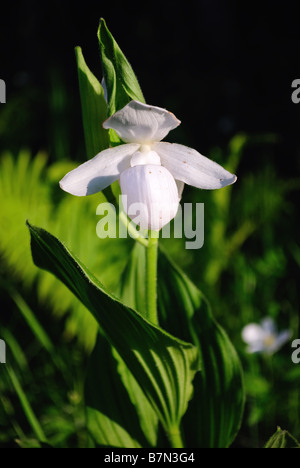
x=151, y=173
x=264, y=338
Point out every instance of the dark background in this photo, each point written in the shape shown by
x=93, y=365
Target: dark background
x=221, y=66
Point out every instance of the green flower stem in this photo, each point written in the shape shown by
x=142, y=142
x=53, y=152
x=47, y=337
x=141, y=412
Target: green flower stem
x=173, y=433
x=151, y=277
x=32, y=419
x=175, y=438
x=132, y=231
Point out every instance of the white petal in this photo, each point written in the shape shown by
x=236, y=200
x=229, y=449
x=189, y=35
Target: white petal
x=141, y=157
x=150, y=194
x=191, y=167
x=141, y=123
x=98, y=173
x=269, y=326
x=253, y=334
x=282, y=338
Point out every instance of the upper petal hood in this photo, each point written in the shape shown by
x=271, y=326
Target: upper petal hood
x=189, y=166
x=100, y=172
x=141, y=123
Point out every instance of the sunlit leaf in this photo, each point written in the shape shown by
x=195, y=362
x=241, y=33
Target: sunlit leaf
x=121, y=82
x=132, y=283
x=216, y=409
x=112, y=417
x=94, y=108
x=163, y=366
x=29, y=189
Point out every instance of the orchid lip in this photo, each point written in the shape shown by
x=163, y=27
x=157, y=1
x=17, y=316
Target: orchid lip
x=151, y=191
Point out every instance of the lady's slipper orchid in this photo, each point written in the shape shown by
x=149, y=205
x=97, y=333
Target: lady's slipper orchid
x=151, y=173
x=264, y=338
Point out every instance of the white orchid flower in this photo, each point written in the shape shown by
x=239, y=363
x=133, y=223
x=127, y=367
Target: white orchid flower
x=264, y=338
x=151, y=173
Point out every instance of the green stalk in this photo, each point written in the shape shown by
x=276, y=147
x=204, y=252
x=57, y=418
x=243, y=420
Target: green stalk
x=175, y=438
x=132, y=231
x=173, y=433
x=32, y=419
x=151, y=277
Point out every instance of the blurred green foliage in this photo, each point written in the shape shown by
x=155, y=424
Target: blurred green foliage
x=30, y=190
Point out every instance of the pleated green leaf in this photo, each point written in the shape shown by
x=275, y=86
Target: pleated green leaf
x=163, y=365
x=112, y=416
x=121, y=82
x=132, y=292
x=282, y=439
x=132, y=284
x=94, y=108
x=216, y=408
x=215, y=411
x=147, y=417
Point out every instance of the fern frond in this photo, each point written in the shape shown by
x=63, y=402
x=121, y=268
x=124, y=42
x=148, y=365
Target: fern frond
x=29, y=190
